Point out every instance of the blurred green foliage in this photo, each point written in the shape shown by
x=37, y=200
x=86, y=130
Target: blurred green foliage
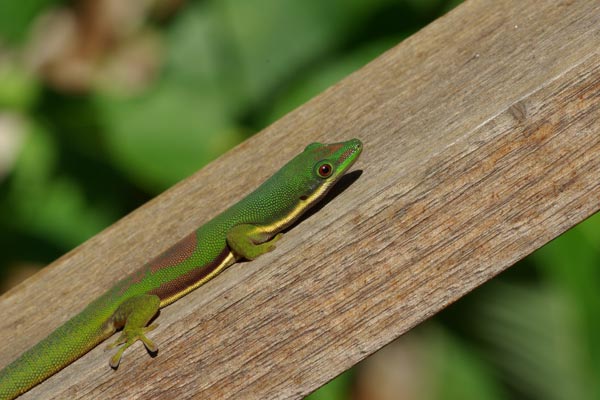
x=16, y=17
x=188, y=80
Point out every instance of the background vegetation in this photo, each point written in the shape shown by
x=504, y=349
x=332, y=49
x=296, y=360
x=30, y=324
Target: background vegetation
x=105, y=103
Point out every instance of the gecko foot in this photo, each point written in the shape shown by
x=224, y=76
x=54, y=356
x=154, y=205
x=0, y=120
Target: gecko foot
x=129, y=337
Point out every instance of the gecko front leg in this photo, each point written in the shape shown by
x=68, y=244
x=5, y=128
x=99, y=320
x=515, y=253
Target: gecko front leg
x=250, y=241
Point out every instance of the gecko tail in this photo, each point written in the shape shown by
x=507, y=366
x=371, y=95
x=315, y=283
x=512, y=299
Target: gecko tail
x=63, y=346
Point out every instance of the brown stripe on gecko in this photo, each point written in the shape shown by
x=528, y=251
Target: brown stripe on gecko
x=345, y=155
x=329, y=150
x=172, y=290
x=175, y=254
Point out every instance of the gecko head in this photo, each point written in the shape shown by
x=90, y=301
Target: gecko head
x=323, y=165
x=305, y=179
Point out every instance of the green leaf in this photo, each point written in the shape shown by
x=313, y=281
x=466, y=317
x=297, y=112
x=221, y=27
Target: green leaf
x=47, y=205
x=456, y=370
x=316, y=81
x=16, y=17
x=165, y=135
x=532, y=336
x=18, y=89
x=275, y=39
x=336, y=389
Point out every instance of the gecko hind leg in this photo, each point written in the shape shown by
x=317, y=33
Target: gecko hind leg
x=134, y=314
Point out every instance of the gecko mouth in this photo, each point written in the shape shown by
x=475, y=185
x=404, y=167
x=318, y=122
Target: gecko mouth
x=351, y=153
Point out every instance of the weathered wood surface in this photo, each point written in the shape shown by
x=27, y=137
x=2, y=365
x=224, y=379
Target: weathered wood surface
x=482, y=143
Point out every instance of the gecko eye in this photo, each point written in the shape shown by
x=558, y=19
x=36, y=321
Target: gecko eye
x=325, y=170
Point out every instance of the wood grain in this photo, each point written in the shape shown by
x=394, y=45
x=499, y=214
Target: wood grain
x=482, y=143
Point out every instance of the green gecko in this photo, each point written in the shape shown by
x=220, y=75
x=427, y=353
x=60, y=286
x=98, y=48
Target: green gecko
x=244, y=231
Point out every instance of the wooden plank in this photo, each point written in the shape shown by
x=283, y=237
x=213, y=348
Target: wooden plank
x=482, y=143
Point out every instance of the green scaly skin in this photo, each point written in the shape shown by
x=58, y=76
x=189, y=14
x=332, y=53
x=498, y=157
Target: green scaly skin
x=244, y=231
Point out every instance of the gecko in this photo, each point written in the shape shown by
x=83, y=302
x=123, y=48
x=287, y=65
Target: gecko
x=246, y=230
